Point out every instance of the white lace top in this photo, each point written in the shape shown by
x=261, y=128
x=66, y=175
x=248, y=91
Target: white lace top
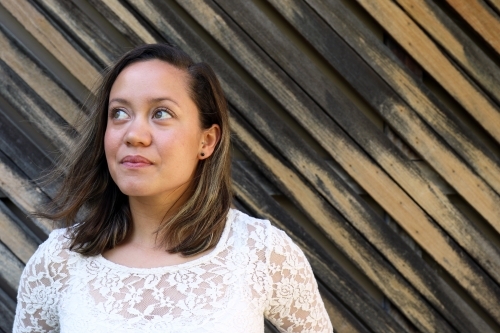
x=255, y=271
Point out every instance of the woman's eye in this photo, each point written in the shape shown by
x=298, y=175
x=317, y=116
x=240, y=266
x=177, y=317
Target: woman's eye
x=119, y=114
x=162, y=114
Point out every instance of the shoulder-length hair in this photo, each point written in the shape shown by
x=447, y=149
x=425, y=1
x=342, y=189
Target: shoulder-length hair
x=98, y=213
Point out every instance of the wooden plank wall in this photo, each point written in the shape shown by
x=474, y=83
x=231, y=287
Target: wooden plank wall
x=368, y=130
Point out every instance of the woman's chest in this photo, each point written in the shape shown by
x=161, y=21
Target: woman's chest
x=216, y=297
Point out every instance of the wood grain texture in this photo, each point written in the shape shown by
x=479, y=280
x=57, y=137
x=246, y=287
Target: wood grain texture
x=481, y=18
x=357, y=165
x=458, y=45
x=426, y=53
x=14, y=236
x=10, y=268
x=38, y=79
x=52, y=40
x=410, y=126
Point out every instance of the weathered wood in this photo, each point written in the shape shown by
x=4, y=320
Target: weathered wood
x=433, y=200
x=125, y=21
x=38, y=79
x=443, y=30
x=103, y=49
x=46, y=121
x=427, y=54
x=339, y=231
x=422, y=235
x=24, y=153
x=481, y=18
x=15, y=236
x=7, y=311
x=325, y=268
x=419, y=98
x=495, y=4
x=53, y=41
x=23, y=193
x=10, y=270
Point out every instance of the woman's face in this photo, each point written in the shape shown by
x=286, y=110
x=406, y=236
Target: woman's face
x=153, y=138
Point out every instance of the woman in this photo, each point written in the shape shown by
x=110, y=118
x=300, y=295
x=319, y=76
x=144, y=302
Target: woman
x=156, y=247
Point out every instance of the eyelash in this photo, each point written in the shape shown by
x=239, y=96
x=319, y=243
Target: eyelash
x=115, y=111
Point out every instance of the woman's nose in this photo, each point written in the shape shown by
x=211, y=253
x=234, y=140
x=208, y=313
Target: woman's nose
x=138, y=133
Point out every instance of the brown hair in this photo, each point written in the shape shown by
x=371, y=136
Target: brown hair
x=98, y=213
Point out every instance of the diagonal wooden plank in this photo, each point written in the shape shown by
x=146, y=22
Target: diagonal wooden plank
x=96, y=42
x=7, y=312
x=462, y=48
x=207, y=17
x=325, y=268
x=14, y=236
x=495, y=4
x=429, y=197
x=405, y=31
x=23, y=193
x=38, y=79
x=125, y=21
x=10, y=268
x=481, y=18
x=451, y=168
x=53, y=41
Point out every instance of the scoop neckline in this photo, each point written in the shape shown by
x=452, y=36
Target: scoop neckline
x=160, y=269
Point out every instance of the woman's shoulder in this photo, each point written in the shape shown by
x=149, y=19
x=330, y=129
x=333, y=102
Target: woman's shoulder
x=54, y=249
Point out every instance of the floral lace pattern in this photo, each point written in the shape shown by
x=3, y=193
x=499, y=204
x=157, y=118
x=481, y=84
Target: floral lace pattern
x=254, y=271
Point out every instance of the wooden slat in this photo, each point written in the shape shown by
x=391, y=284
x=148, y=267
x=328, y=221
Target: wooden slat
x=422, y=235
x=428, y=55
x=7, y=311
x=33, y=109
x=443, y=30
x=53, y=41
x=22, y=192
x=38, y=79
x=24, y=153
x=103, y=48
x=247, y=189
x=495, y=4
x=125, y=21
x=10, y=269
x=14, y=236
x=432, y=199
x=339, y=231
x=410, y=126
x=481, y=18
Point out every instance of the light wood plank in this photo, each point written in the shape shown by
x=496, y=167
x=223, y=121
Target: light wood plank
x=406, y=32
x=358, y=166
x=53, y=41
x=481, y=18
x=14, y=237
x=38, y=80
x=443, y=30
x=10, y=268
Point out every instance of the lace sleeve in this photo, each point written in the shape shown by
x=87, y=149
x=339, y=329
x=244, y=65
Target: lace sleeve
x=295, y=304
x=38, y=292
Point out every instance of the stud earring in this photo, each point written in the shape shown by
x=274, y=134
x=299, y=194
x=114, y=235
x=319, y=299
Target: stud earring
x=202, y=154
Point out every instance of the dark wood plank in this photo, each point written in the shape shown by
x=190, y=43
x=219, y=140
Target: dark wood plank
x=461, y=48
x=406, y=32
x=7, y=312
x=72, y=18
x=23, y=193
x=270, y=126
x=481, y=18
x=16, y=236
x=53, y=41
x=38, y=79
x=127, y=23
x=249, y=190
x=10, y=270
x=36, y=111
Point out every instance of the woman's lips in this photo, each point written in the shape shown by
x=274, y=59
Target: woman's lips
x=135, y=161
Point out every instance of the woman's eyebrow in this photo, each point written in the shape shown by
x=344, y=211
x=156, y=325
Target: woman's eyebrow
x=151, y=100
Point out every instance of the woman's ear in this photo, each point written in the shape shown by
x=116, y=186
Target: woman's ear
x=209, y=140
